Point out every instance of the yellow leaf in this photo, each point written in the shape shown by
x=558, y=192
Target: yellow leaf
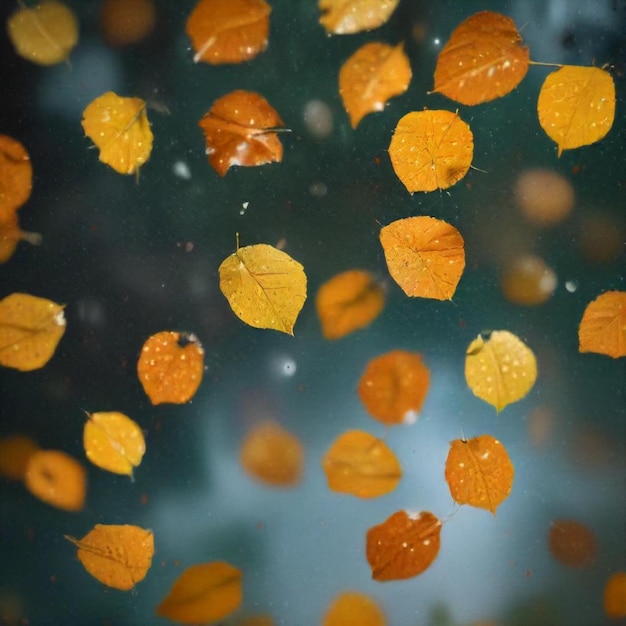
x=30, y=330
x=113, y=442
x=264, y=286
x=346, y=17
x=350, y=608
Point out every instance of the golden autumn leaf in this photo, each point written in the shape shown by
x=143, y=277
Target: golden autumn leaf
x=240, y=129
x=30, y=330
x=203, y=593
x=572, y=543
x=483, y=60
x=346, y=17
x=576, y=106
x=347, y=302
x=45, y=33
x=16, y=176
x=602, y=328
x=362, y=465
x=431, y=150
x=119, y=127
x=272, y=455
x=11, y=234
x=170, y=367
x=615, y=596
x=113, y=442
x=500, y=368
x=479, y=472
x=118, y=556
x=424, y=255
x=372, y=75
x=126, y=22
x=393, y=387
x=403, y=546
x=350, y=608
x=15, y=452
x=264, y=286
x=228, y=31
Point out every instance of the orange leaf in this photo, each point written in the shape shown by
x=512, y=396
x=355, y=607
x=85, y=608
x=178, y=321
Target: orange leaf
x=352, y=608
x=482, y=61
x=528, y=281
x=372, y=75
x=362, y=465
x=120, y=129
x=345, y=17
x=30, y=330
x=57, y=479
x=239, y=129
x=615, y=596
x=16, y=176
x=576, y=106
x=11, y=234
x=203, y=593
x=394, y=387
x=170, y=367
x=572, y=543
x=603, y=325
x=424, y=255
x=256, y=620
x=403, y=546
x=117, y=556
x=347, y=302
x=479, y=472
x=15, y=452
x=431, y=150
x=272, y=455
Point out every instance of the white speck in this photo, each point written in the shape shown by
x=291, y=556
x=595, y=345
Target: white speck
x=244, y=208
x=571, y=285
x=181, y=170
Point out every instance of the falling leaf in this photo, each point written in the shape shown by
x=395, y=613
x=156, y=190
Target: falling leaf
x=424, y=255
x=528, y=281
x=126, y=22
x=240, y=129
x=603, y=325
x=117, y=556
x=362, y=465
x=228, y=31
x=203, y=593
x=500, y=368
x=347, y=302
x=120, y=129
x=431, y=150
x=15, y=452
x=170, y=367
x=16, y=176
x=346, y=17
x=272, y=455
x=57, y=479
x=572, y=543
x=264, y=286
x=403, y=546
x=615, y=596
x=11, y=234
x=30, y=330
x=394, y=387
x=350, y=608
x=375, y=73
x=576, y=106
x=479, y=472
x=482, y=61
x=44, y=34
x=113, y=442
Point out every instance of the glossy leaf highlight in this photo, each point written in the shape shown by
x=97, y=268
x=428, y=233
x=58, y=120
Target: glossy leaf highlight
x=345, y=17
x=602, y=328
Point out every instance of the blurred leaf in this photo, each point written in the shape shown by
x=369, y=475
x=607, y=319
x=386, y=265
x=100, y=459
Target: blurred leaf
x=350, y=608
x=15, y=452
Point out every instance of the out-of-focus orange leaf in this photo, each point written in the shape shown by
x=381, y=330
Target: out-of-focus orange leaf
x=57, y=479
x=403, y=546
x=240, y=129
x=203, y=593
x=394, y=387
x=30, y=330
x=372, y=75
x=347, y=302
x=126, y=22
x=482, y=61
x=615, y=596
x=576, y=106
x=603, y=325
x=228, y=31
x=500, y=369
x=350, y=608
x=16, y=176
x=44, y=34
x=120, y=129
x=113, y=442
x=346, y=17
x=362, y=465
x=119, y=556
x=424, y=255
x=15, y=452
x=479, y=472
x=272, y=455
x=572, y=543
x=528, y=281
x=170, y=367
x=256, y=620
x=431, y=150
x=264, y=286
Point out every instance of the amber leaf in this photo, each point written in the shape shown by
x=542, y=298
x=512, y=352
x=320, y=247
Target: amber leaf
x=16, y=176
x=345, y=17
x=117, y=556
x=127, y=22
x=350, y=608
x=615, y=596
x=403, y=546
x=603, y=325
x=15, y=452
x=573, y=544
x=11, y=234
